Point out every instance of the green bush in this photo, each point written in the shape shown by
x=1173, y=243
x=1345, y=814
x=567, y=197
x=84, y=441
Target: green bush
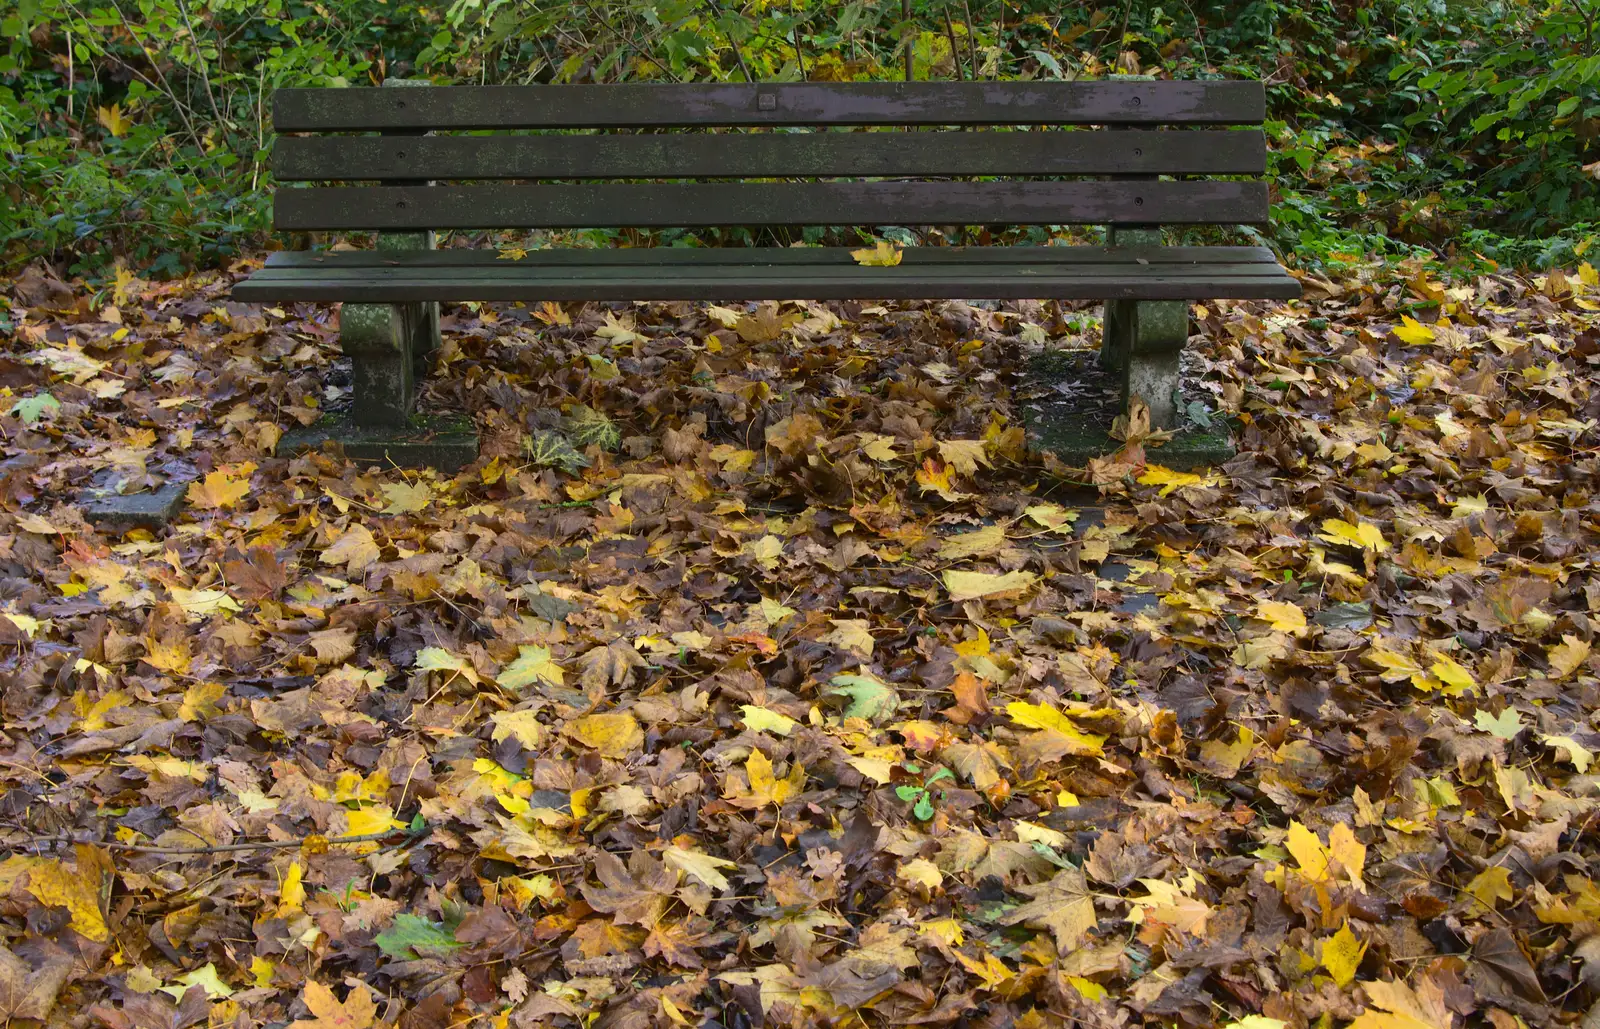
x=142, y=127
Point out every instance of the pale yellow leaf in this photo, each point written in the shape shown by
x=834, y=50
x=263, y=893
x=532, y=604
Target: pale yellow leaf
x=974, y=585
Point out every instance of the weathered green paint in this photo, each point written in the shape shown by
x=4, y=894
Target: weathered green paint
x=1113, y=337
x=641, y=105
x=448, y=443
x=701, y=204
x=1198, y=259
x=724, y=284
x=691, y=155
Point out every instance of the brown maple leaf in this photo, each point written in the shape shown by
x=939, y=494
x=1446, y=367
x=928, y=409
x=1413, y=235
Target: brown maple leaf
x=1064, y=905
x=674, y=944
x=356, y=1011
x=611, y=665
x=636, y=893
x=257, y=574
x=29, y=991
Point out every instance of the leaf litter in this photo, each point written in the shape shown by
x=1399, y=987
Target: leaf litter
x=757, y=673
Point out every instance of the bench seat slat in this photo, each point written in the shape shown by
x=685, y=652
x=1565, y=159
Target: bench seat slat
x=770, y=155
x=668, y=279
x=776, y=273
x=641, y=105
x=783, y=256
x=692, y=205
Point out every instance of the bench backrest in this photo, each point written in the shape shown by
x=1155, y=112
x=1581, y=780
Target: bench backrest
x=1155, y=137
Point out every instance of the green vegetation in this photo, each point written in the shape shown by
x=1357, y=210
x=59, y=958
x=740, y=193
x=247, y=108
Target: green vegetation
x=142, y=127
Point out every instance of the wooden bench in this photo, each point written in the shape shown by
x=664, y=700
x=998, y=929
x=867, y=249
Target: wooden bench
x=1134, y=155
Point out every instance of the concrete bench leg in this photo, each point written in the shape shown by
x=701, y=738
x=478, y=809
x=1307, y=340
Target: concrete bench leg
x=388, y=346
x=1154, y=333
x=1143, y=340
x=378, y=342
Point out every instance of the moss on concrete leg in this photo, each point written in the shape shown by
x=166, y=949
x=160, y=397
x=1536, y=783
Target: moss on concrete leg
x=376, y=338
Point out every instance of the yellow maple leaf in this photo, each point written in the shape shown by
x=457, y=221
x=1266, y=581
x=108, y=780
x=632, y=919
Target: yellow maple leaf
x=993, y=972
x=512, y=254
x=1318, y=861
x=358, y=1010
x=1394, y=1005
x=533, y=664
x=113, y=120
x=74, y=887
x=1489, y=886
x=370, y=820
x=1576, y=753
x=1065, y=732
x=882, y=254
x=706, y=868
x=1341, y=956
x=1307, y=851
x=1170, y=480
x=219, y=490
x=1364, y=535
x=615, y=734
x=1412, y=331
x=1454, y=678
x=759, y=719
x=764, y=788
x=1567, y=657
x=937, y=477
x=1283, y=616
x=1396, y=667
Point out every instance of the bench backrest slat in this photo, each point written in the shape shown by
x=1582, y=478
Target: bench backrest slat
x=639, y=105
x=693, y=205
x=773, y=155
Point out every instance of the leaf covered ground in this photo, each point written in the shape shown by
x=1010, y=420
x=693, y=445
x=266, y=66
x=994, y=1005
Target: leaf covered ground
x=758, y=675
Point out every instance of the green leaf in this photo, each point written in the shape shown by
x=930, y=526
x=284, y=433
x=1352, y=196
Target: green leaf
x=32, y=410
x=870, y=697
x=923, y=809
x=412, y=938
x=908, y=792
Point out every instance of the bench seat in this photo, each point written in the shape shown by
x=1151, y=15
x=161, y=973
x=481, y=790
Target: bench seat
x=760, y=273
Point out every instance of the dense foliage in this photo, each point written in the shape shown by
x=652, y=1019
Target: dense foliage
x=142, y=126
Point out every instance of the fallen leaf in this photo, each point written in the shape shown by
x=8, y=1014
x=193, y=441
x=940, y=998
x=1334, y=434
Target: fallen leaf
x=356, y=1011
x=613, y=734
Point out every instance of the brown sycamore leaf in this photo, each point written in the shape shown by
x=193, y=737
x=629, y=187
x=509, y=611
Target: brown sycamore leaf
x=1064, y=905
x=356, y=1011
